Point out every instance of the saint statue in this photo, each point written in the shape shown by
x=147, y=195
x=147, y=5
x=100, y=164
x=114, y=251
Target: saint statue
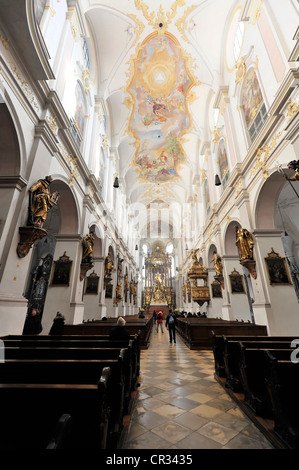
x=108, y=265
x=188, y=286
x=217, y=264
x=293, y=165
x=118, y=290
x=126, y=282
x=41, y=201
x=87, y=246
x=244, y=243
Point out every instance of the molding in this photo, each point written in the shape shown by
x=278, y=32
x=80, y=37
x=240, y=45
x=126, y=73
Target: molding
x=17, y=182
x=267, y=233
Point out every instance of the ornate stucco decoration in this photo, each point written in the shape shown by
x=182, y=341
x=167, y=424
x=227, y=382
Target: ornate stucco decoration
x=292, y=109
x=241, y=68
x=262, y=156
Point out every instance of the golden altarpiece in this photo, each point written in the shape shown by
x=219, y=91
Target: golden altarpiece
x=158, y=288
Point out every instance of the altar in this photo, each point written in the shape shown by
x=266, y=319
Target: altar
x=158, y=292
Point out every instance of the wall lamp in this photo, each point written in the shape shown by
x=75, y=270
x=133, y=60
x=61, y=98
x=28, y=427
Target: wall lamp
x=217, y=180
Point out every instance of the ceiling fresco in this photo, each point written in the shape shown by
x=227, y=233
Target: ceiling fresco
x=160, y=117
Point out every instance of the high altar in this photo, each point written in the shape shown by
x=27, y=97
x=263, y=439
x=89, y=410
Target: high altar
x=158, y=290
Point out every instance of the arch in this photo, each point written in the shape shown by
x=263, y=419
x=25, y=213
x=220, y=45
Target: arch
x=63, y=218
x=98, y=243
x=10, y=158
x=266, y=202
x=230, y=247
x=273, y=192
x=210, y=255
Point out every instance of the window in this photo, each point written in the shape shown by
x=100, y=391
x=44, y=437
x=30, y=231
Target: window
x=238, y=40
x=85, y=53
x=259, y=120
x=252, y=104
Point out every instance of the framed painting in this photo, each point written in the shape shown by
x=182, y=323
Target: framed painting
x=277, y=269
x=216, y=290
x=61, y=273
x=92, y=284
x=236, y=283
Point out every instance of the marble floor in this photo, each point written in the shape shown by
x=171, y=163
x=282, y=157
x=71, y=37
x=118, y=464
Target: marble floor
x=180, y=405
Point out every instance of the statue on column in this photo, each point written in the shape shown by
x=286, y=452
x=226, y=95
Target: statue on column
x=218, y=268
x=293, y=165
x=87, y=254
x=108, y=265
x=217, y=264
x=244, y=243
x=87, y=246
x=40, y=201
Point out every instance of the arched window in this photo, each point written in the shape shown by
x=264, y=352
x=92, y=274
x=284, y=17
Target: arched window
x=252, y=104
x=238, y=40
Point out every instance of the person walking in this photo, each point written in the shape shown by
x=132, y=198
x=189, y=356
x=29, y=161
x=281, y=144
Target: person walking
x=160, y=318
x=170, y=323
x=154, y=316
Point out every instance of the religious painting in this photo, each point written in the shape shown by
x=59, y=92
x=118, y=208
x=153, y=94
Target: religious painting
x=80, y=108
x=236, y=283
x=108, y=291
x=61, y=271
x=252, y=97
x=216, y=290
x=160, y=116
x=92, y=284
x=277, y=269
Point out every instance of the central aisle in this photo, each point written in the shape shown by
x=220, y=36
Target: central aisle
x=180, y=405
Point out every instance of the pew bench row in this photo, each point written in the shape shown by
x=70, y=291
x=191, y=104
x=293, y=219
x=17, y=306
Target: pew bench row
x=78, y=390
x=264, y=372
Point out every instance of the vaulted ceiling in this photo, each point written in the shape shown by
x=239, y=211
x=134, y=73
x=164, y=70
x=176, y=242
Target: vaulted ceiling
x=158, y=66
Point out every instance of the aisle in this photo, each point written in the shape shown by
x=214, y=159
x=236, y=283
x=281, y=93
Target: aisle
x=179, y=405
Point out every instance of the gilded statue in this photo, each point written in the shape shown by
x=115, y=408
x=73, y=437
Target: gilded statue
x=126, y=282
x=120, y=266
x=244, y=243
x=108, y=265
x=87, y=246
x=118, y=290
x=293, y=165
x=40, y=201
x=217, y=264
x=188, y=286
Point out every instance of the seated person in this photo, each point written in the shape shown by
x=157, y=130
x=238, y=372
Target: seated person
x=58, y=324
x=119, y=332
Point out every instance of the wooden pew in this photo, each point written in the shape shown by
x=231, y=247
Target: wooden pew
x=143, y=327
x=253, y=368
x=132, y=358
x=45, y=352
x=78, y=372
x=53, y=416
x=197, y=332
x=283, y=384
x=105, y=342
x=232, y=358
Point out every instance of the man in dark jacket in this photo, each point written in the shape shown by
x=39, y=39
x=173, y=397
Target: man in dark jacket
x=170, y=323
